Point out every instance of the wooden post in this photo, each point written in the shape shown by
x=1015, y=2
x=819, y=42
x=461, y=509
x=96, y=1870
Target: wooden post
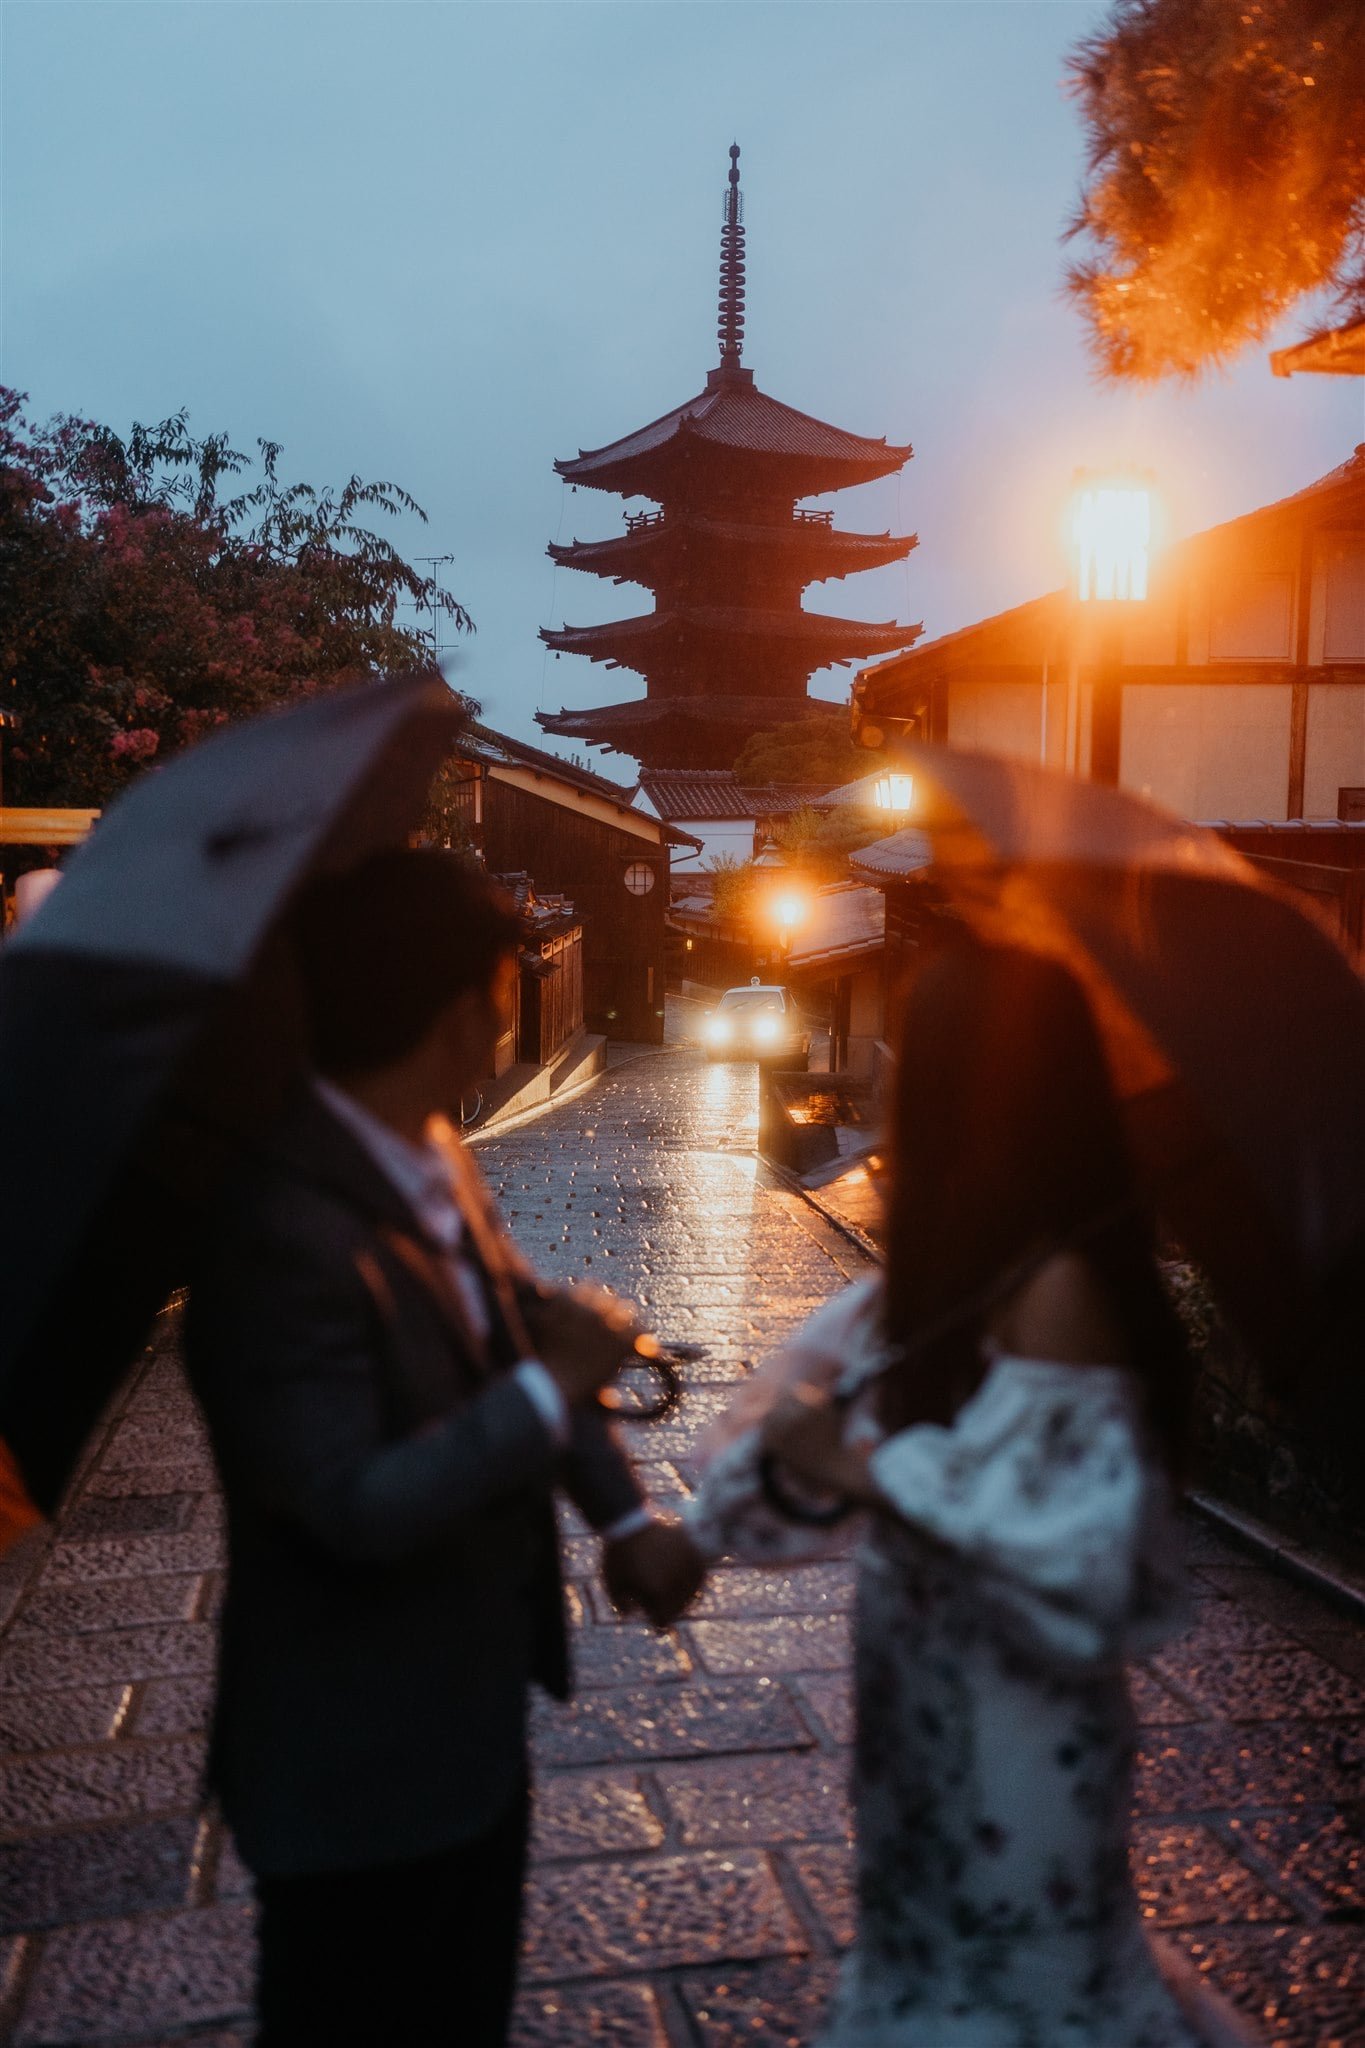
x=1298, y=694
x=1106, y=717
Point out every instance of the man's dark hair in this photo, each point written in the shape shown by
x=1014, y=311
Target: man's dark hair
x=384, y=947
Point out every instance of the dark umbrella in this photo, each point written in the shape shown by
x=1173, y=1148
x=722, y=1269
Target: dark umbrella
x=147, y=1022
x=1235, y=1024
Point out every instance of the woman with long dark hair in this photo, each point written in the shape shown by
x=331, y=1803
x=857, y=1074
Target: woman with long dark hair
x=1006, y=1405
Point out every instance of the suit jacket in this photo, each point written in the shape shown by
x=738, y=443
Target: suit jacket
x=394, y=1580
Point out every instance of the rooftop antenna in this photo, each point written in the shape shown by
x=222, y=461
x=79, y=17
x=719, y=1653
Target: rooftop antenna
x=439, y=607
x=730, y=329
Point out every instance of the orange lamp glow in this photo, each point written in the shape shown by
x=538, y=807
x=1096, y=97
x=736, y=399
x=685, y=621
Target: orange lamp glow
x=788, y=909
x=894, y=792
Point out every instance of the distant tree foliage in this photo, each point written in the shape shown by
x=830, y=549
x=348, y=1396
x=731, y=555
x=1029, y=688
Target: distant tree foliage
x=140, y=606
x=814, y=751
x=732, y=888
x=1226, y=176
x=819, y=842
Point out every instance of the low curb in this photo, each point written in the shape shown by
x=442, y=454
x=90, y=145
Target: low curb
x=1310, y=1567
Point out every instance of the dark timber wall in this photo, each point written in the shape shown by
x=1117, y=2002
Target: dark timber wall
x=586, y=859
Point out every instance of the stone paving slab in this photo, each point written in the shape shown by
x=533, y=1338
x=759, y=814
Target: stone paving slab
x=117, y=1780
x=88, y=1873
x=36, y=1721
x=691, y=1878
x=781, y=1642
x=593, y=1813
x=1320, y=1852
x=651, y=1913
x=1304, y=1989
x=89, y=1610
x=783, y=1798
x=638, y=1721
x=101, y=1558
x=104, y=1978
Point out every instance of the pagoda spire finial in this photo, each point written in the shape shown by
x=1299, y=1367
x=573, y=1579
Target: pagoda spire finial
x=730, y=328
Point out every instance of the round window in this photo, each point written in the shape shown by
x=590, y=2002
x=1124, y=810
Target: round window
x=639, y=878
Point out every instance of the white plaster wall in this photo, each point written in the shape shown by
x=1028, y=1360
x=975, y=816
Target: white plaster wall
x=1149, y=635
x=1005, y=718
x=719, y=836
x=1242, y=603
x=1252, y=617
x=1335, y=754
x=1209, y=750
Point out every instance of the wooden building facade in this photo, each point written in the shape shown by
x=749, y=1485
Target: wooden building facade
x=582, y=839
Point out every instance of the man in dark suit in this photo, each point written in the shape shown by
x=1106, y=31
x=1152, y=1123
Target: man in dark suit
x=392, y=1405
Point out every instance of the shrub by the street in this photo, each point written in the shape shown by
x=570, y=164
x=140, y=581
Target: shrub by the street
x=732, y=889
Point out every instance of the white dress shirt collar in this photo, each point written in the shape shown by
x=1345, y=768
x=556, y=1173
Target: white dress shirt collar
x=418, y=1172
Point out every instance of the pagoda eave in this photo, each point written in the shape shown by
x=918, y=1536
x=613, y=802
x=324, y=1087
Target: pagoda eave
x=819, y=554
x=696, y=732
x=814, y=636
x=669, y=472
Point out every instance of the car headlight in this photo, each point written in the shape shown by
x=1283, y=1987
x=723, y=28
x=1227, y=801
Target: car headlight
x=767, y=1030
x=716, y=1030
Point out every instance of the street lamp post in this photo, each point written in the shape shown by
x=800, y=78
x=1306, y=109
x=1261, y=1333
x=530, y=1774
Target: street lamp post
x=783, y=904
x=1111, y=541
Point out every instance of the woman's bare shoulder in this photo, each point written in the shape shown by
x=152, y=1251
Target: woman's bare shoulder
x=1062, y=1312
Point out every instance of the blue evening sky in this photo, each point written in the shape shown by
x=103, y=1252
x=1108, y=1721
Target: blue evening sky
x=445, y=242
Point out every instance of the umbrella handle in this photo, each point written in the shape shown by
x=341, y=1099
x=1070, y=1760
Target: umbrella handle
x=649, y=1352
x=793, y=1509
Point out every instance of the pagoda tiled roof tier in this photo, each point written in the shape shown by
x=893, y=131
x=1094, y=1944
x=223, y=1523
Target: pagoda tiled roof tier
x=717, y=793
x=654, y=542
x=691, y=732
x=733, y=426
x=817, y=637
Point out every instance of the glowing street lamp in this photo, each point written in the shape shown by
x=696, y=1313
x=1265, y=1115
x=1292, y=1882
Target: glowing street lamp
x=784, y=903
x=894, y=793
x=787, y=909
x=1111, y=544
x=1111, y=536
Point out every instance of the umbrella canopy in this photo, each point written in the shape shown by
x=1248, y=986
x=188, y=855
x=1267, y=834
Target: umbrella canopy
x=1235, y=1024
x=144, y=1007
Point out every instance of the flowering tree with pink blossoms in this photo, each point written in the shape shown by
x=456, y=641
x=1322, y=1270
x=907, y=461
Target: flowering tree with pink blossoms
x=142, y=603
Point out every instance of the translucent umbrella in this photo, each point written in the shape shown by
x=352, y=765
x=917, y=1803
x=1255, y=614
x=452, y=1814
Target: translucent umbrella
x=1234, y=1023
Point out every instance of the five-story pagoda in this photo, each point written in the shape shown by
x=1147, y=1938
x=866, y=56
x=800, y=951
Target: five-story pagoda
x=728, y=649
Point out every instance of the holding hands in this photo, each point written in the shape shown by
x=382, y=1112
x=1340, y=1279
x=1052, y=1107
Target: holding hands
x=584, y=1336
x=657, y=1570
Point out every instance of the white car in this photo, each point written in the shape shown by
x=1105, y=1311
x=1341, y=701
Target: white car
x=760, y=1022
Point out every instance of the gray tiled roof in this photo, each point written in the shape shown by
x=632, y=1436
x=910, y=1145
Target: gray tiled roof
x=845, y=920
x=698, y=793
x=903, y=853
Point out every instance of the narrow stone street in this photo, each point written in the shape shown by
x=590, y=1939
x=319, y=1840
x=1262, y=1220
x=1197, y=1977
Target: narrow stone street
x=691, y=1884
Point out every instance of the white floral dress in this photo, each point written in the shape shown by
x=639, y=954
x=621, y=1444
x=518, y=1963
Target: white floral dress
x=1029, y=1552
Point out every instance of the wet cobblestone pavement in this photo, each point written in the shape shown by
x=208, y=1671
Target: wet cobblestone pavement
x=691, y=1861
